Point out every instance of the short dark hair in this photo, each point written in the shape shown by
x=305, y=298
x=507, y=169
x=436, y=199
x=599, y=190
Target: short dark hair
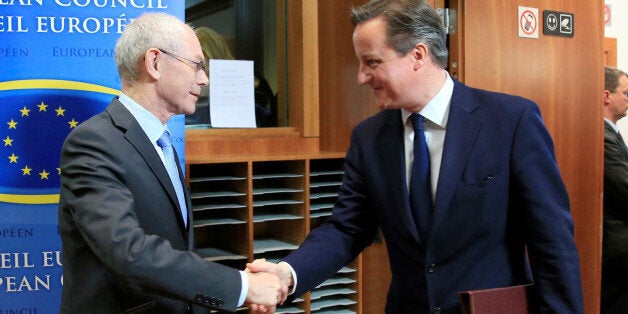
x=408, y=22
x=611, y=78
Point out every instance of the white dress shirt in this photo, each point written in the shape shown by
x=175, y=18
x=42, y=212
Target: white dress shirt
x=435, y=115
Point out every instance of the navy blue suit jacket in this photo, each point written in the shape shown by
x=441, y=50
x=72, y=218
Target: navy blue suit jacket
x=499, y=192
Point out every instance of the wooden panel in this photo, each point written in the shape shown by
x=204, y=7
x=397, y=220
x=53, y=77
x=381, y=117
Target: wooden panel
x=376, y=278
x=343, y=103
x=567, y=90
x=239, y=144
x=456, y=42
x=303, y=66
x=610, y=51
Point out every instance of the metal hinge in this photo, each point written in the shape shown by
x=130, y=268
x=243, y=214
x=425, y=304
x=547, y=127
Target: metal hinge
x=449, y=19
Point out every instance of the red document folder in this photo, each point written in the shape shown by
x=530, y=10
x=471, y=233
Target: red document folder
x=511, y=300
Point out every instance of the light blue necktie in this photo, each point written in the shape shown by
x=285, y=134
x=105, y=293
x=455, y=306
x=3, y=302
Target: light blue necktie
x=166, y=146
x=420, y=186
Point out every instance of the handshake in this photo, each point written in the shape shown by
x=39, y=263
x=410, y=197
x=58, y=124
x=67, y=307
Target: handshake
x=268, y=285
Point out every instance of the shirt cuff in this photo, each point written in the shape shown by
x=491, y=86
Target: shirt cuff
x=294, y=278
x=245, y=288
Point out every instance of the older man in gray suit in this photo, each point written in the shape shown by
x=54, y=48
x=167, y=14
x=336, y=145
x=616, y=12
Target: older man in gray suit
x=127, y=234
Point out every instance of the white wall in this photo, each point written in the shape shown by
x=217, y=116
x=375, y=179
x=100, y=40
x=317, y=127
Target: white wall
x=617, y=29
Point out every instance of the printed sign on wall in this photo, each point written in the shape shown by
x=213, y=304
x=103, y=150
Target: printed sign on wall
x=558, y=23
x=528, y=22
x=57, y=70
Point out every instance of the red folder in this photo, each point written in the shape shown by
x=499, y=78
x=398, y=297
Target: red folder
x=511, y=300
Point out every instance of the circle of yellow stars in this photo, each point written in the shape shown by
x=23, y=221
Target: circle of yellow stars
x=8, y=141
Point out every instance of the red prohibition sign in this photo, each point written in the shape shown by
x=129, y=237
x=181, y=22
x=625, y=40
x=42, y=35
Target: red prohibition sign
x=527, y=22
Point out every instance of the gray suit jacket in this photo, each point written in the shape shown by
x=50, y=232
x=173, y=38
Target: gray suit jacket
x=124, y=245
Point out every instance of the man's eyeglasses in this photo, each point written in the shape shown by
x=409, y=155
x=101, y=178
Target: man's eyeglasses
x=197, y=65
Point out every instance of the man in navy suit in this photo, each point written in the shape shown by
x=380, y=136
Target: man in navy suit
x=127, y=241
x=615, y=239
x=500, y=211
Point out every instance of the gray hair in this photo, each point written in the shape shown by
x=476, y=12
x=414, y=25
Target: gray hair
x=150, y=30
x=408, y=22
x=611, y=78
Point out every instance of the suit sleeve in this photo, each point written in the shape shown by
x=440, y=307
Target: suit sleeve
x=97, y=201
x=337, y=242
x=539, y=192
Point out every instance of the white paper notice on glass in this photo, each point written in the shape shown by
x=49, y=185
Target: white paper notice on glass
x=231, y=94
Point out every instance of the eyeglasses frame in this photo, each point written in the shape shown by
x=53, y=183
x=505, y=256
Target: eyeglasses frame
x=198, y=65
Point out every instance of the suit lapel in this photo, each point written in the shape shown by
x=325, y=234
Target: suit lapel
x=123, y=119
x=463, y=126
x=392, y=156
x=618, y=138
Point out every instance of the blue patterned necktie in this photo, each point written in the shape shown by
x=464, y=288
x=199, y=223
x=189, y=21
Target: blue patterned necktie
x=420, y=186
x=166, y=146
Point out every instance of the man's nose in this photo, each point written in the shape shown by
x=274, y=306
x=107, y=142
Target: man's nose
x=363, y=76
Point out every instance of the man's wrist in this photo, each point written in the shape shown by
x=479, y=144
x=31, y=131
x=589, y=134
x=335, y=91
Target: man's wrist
x=291, y=277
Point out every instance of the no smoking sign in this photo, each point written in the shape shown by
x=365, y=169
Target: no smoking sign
x=528, y=22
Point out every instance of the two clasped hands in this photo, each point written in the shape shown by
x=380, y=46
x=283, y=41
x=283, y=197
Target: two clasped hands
x=269, y=285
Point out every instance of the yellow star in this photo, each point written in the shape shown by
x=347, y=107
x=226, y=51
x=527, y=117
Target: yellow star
x=44, y=174
x=73, y=123
x=58, y=170
x=26, y=171
x=60, y=111
x=12, y=124
x=8, y=141
x=13, y=158
x=42, y=106
x=25, y=111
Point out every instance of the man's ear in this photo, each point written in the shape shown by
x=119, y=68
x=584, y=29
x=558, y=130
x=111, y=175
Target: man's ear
x=152, y=59
x=607, y=97
x=419, y=55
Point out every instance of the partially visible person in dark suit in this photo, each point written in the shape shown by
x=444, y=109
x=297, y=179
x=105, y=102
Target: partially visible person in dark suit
x=463, y=182
x=215, y=46
x=615, y=235
x=125, y=218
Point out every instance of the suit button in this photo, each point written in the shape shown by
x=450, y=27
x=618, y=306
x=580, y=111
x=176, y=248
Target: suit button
x=198, y=297
x=206, y=300
x=431, y=268
x=436, y=310
x=219, y=303
x=212, y=301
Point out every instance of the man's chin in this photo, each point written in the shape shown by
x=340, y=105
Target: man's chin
x=189, y=111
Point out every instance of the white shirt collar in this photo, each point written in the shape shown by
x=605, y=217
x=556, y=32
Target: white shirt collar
x=612, y=124
x=151, y=125
x=437, y=109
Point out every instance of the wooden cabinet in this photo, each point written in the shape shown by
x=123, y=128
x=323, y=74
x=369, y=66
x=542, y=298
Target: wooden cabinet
x=263, y=207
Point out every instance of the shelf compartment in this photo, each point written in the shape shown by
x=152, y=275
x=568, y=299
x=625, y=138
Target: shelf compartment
x=335, y=310
x=290, y=231
x=216, y=254
x=337, y=281
x=223, y=242
x=270, y=245
x=327, y=303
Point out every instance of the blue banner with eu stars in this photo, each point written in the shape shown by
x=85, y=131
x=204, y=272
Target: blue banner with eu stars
x=57, y=69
